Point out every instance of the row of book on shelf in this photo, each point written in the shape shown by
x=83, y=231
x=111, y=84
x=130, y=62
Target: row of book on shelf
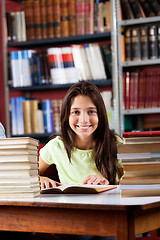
x=139, y=8
x=141, y=43
x=60, y=65
x=32, y=116
x=141, y=89
x=140, y=156
x=41, y=19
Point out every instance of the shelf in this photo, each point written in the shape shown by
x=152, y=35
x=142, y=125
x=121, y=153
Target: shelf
x=107, y=82
x=140, y=63
x=139, y=21
x=141, y=111
x=62, y=41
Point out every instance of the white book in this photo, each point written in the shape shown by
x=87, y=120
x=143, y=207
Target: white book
x=19, y=173
x=17, y=166
x=19, y=140
x=19, y=158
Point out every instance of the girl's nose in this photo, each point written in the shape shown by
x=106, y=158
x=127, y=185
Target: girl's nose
x=84, y=117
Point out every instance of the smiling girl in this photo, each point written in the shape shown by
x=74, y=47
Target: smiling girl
x=86, y=151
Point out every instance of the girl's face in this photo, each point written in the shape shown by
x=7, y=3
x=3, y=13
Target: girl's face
x=83, y=118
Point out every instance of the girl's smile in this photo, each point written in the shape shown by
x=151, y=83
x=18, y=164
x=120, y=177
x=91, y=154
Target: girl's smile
x=83, y=118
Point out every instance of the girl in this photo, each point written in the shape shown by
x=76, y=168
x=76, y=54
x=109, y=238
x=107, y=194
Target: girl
x=86, y=152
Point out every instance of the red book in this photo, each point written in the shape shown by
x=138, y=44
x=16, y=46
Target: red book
x=141, y=134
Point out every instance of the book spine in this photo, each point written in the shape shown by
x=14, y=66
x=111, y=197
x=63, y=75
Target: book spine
x=43, y=13
x=136, y=9
x=80, y=17
x=126, y=10
x=29, y=19
x=48, y=116
x=159, y=42
x=57, y=18
x=135, y=44
x=64, y=18
x=146, y=8
x=108, y=16
x=155, y=5
x=72, y=17
x=27, y=116
x=144, y=42
x=13, y=116
x=128, y=44
x=50, y=18
x=37, y=19
x=153, y=45
x=89, y=17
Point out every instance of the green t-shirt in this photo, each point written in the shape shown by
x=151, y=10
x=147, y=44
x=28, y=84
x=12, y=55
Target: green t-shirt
x=82, y=161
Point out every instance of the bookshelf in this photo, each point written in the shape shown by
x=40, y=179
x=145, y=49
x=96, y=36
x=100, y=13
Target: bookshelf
x=134, y=114
x=58, y=90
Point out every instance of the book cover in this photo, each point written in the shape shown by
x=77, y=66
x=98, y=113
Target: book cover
x=80, y=17
x=136, y=8
x=141, y=134
x=144, y=42
x=135, y=44
x=139, y=148
x=19, y=140
x=140, y=191
x=155, y=5
x=43, y=10
x=107, y=59
x=89, y=16
x=146, y=8
x=127, y=43
x=72, y=17
x=37, y=19
x=29, y=19
x=80, y=189
x=50, y=18
x=64, y=18
x=152, y=42
x=57, y=18
x=126, y=10
x=48, y=116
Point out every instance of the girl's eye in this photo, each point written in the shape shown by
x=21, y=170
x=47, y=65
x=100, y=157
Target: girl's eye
x=75, y=112
x=91, y=112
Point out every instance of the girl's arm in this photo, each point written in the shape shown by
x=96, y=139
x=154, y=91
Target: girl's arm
x=45, y=181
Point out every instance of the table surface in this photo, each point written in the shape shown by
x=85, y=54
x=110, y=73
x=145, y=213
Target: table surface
x=109, y=199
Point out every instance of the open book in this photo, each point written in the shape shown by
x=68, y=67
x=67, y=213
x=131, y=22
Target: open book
x=78, y=188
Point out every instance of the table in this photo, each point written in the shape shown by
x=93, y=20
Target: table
x=104, y=214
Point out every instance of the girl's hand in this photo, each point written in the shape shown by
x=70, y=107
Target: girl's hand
x=95, y=180
x=47, y=183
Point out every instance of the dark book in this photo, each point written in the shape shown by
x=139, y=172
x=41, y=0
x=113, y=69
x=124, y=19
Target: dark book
x=135, y=44
x=127, y=44
x=57, y=18
x=155, y=5
x=137, y=12
x=158, y=41
x=144, y=42
x=72, y=17
x=146, y=8
x=152, y=42
x=107, y=59
x=126, y=10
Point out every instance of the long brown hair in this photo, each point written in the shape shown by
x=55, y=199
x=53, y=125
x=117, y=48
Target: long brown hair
x=104, y=138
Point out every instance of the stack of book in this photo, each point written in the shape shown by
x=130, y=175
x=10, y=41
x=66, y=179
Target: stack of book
x=19, y=177
x=141, y=161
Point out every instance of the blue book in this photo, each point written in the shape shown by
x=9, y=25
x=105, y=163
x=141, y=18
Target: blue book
x=19, y=112
x=13, y=116
x=48, y=116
